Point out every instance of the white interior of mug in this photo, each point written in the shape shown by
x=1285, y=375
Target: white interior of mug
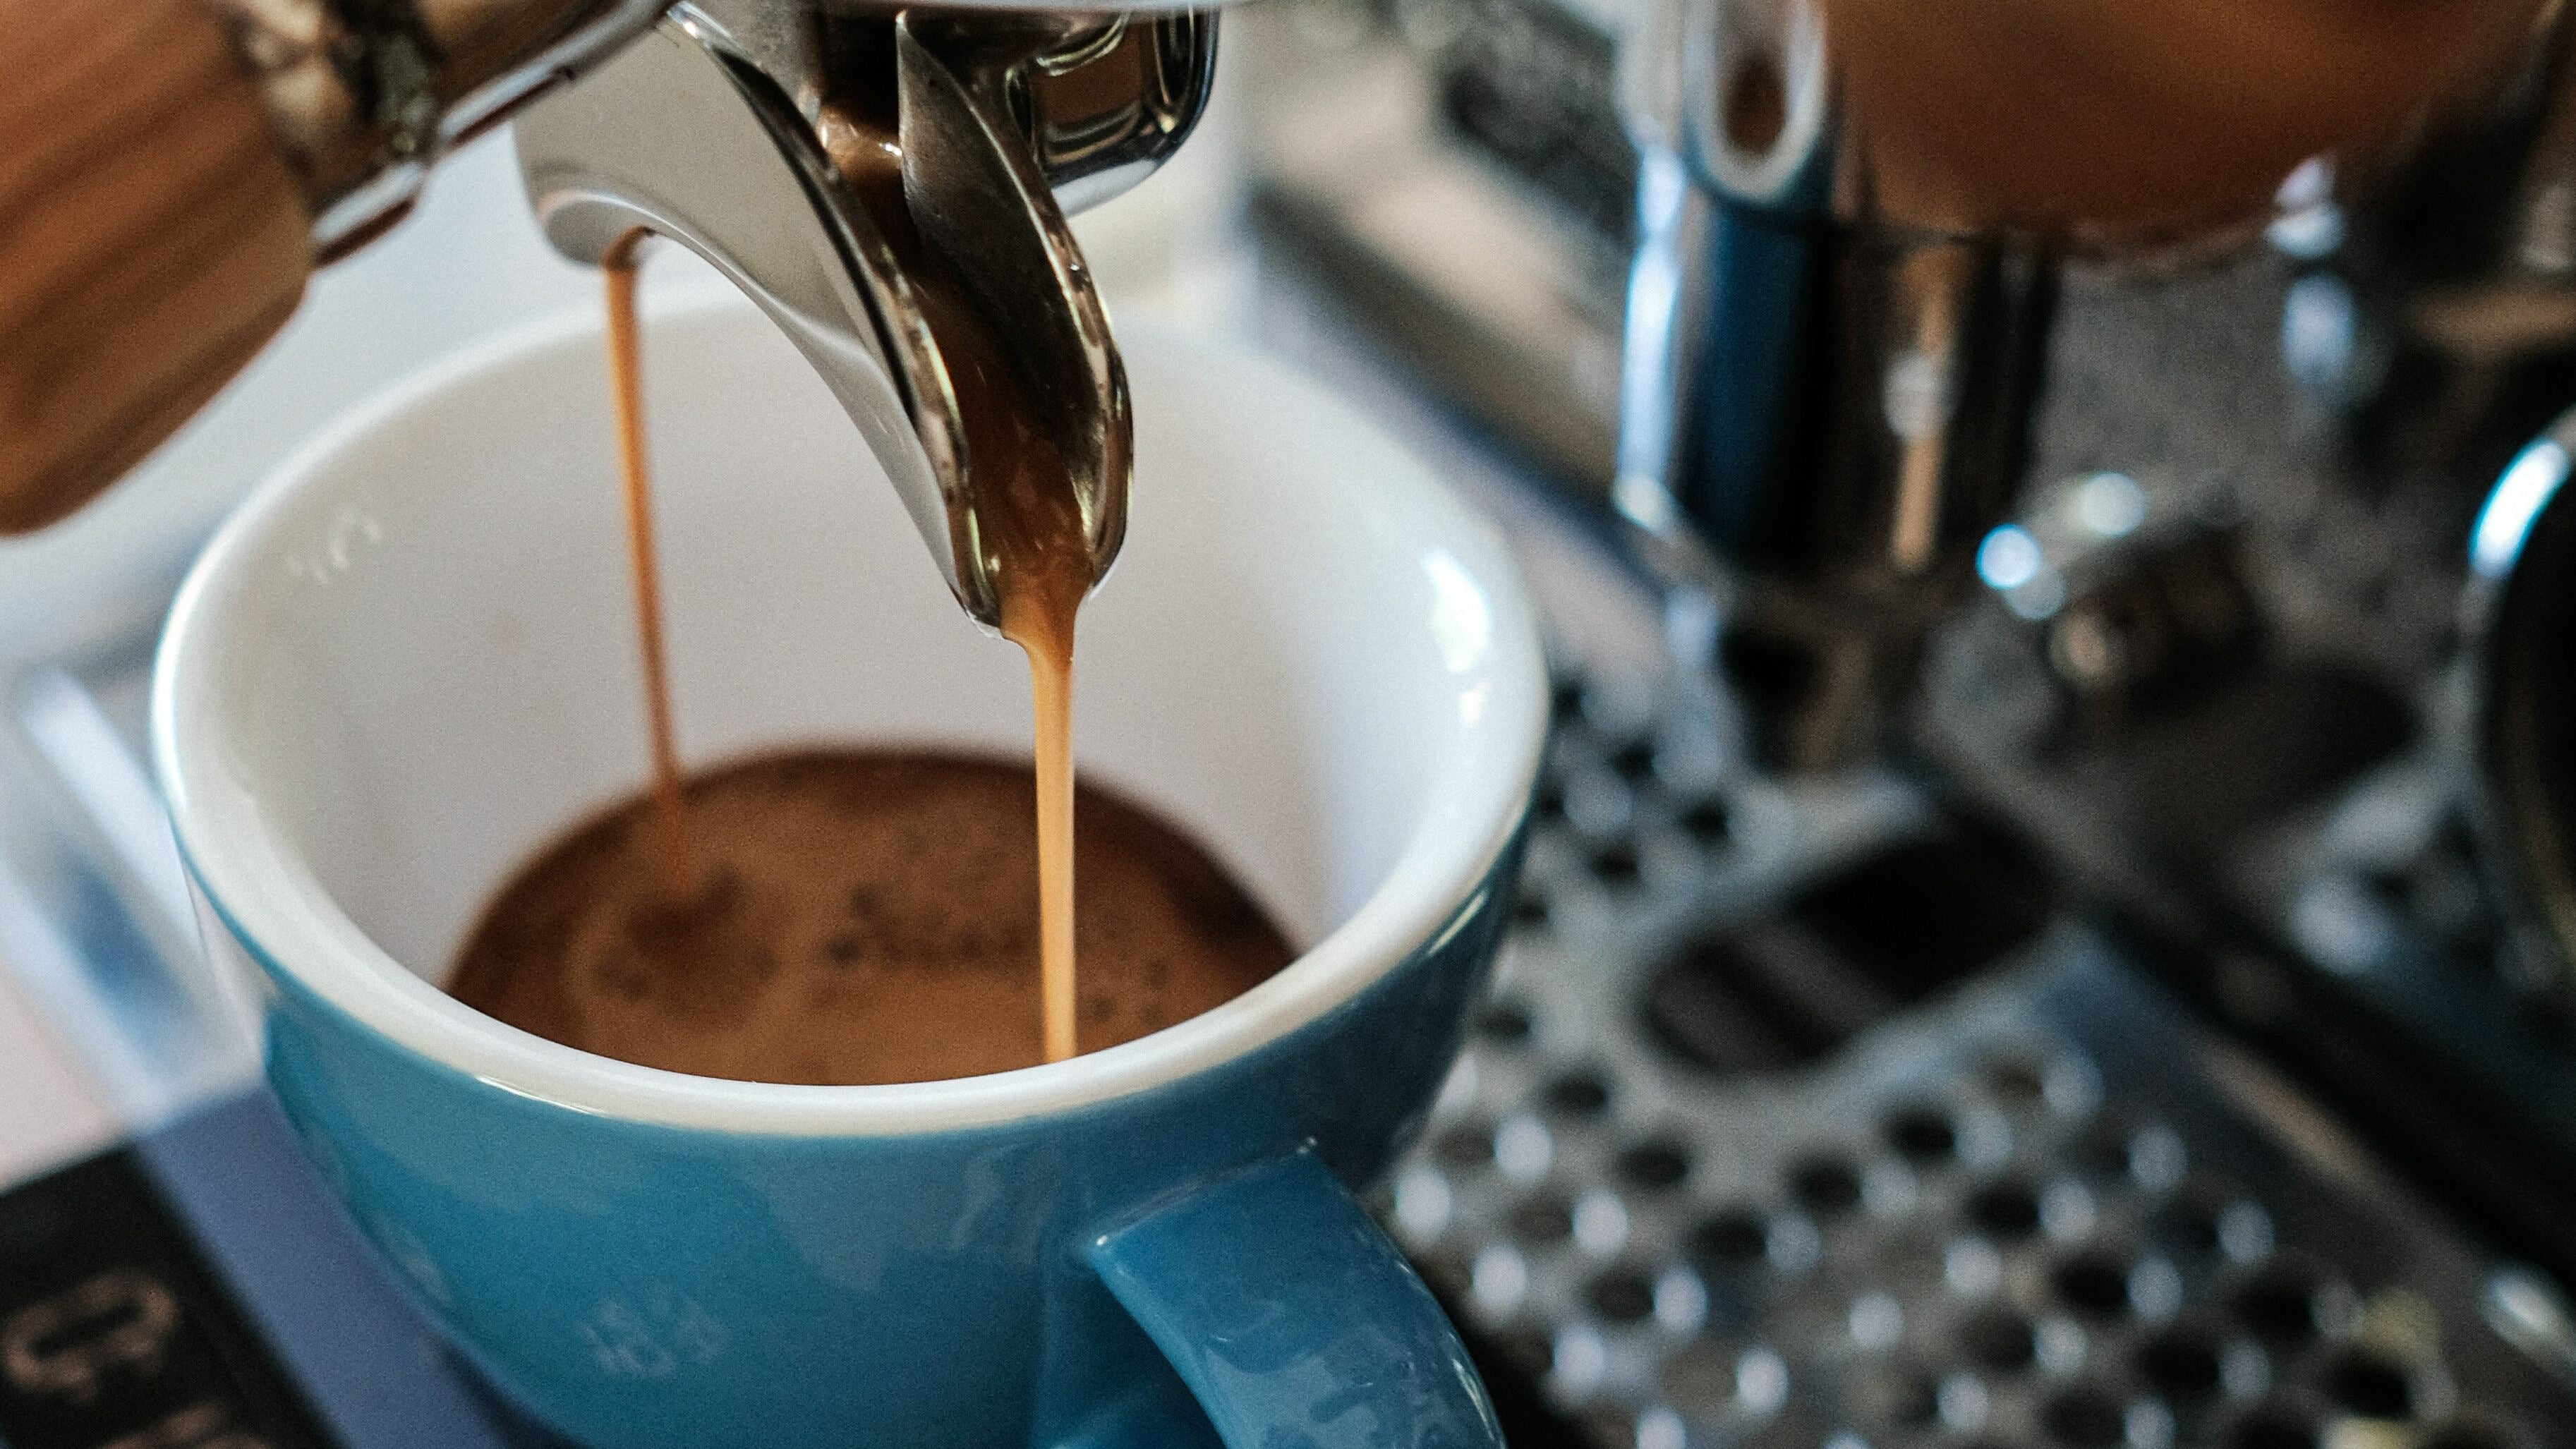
x=410, y=662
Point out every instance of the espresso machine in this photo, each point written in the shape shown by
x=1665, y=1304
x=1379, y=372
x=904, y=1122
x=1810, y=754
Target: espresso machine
x=2059, y=936
x=2047, y=917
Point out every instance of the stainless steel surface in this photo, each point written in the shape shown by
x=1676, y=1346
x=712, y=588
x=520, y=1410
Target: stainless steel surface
x=1826, y=408
x=677, y=138
x=2087, y=140
x=2211, y=682
x=1847, y=413
x=2455, y=265
x=2520, y=676
x=2210, y=672
x=1824, y=412
x=1495, y=272
x=366, y=99
x=1767, y=1059
x=1090, y=152
x=757, y=135
x=1800, y=1118
x=981, y=200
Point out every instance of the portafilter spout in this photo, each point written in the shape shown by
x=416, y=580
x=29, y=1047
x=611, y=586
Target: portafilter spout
x=823, y=159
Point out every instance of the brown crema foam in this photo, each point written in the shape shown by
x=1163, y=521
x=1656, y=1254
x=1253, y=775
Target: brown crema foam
x=861, y=916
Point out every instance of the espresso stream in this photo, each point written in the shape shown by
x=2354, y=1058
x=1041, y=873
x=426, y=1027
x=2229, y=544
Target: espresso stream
x=1028, y=519
x=671, y=854
x=730, y=925
x=1033, y=523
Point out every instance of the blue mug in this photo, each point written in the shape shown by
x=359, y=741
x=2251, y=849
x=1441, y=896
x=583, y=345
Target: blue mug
x=408, y=661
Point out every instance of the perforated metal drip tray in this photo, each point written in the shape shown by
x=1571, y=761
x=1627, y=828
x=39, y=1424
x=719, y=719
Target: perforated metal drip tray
x=1812, y=1122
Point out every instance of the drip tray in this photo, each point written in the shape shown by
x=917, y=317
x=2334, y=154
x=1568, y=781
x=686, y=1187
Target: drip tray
x=1814, y=1122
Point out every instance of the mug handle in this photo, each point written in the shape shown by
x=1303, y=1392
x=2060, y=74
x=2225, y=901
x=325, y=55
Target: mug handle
x=1284, y=1308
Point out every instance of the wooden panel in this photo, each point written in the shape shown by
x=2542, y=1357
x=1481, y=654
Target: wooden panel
x=150, y=238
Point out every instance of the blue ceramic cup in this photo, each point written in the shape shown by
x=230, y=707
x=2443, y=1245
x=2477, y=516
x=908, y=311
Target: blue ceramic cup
x=409, y=661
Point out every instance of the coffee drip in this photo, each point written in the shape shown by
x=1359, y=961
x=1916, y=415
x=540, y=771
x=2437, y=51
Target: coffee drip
x=626, y=388
x=1032, y=531
x=1044, y=572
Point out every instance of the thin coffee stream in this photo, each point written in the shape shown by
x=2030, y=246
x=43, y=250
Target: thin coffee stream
x=626, y=385
x=1028, y=519
x=1033, y=523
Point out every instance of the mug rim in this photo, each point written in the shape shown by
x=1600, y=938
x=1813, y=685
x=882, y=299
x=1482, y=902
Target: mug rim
x=267, y=900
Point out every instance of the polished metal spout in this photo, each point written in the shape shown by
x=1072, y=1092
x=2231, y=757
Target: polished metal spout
x=823, y=160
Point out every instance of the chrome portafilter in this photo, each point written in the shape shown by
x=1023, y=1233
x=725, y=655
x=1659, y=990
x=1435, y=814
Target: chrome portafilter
x=830, y=159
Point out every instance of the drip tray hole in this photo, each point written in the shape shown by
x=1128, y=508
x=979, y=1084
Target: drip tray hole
x=1849, y=952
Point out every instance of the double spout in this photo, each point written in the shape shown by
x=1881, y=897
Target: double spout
x=891, y=188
